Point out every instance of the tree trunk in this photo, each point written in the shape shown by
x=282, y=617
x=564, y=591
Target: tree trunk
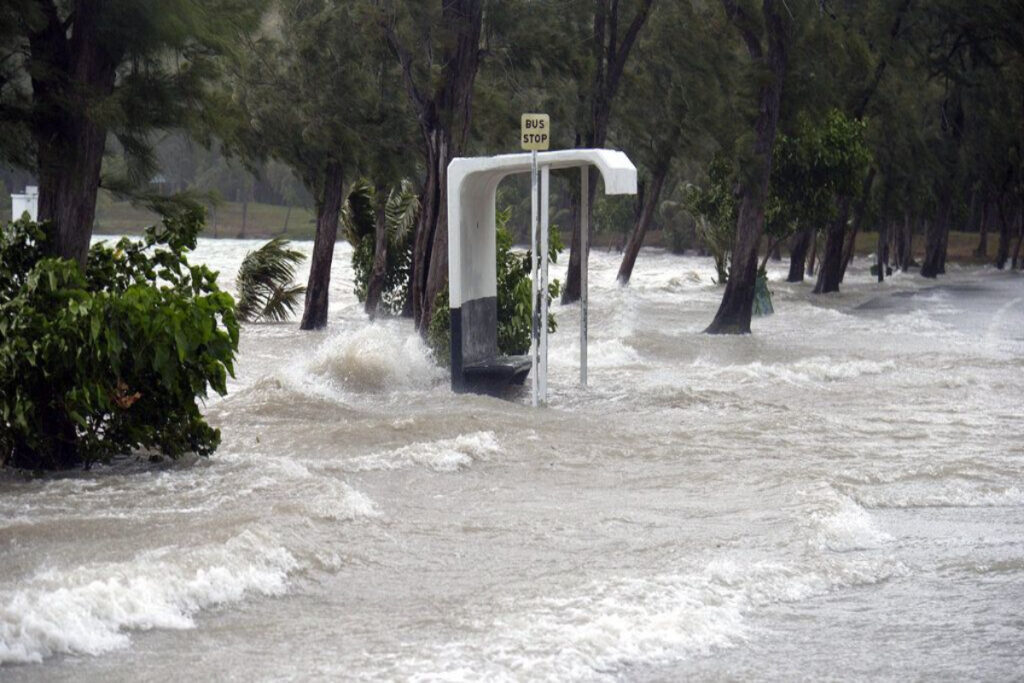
x=831, y=269
x=936, y=239
x=981, y=251
x=812, y=257
x=72, y=77
x=379, y=273
x=287, y=216
x=1020, y=237
x=636, y=238
x=860, y=211
x=444, y=118
x=733, y=316
x=1003, y=250
x=798, y=248
x=429, y=268
x=328, y=211
x=881, y=258
x=245, y=216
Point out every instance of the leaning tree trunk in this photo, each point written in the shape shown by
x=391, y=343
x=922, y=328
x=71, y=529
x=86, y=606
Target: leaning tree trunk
x=429, y=270
x=798, y=248
x=69, y=143
x=636, y=238
x=610, y=51
x=858, y=220
x=733, y=316
x=830, y=270
x=379, y=272
x=328, y=211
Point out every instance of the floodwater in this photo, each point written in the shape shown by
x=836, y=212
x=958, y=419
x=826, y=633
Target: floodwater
x=838, y=496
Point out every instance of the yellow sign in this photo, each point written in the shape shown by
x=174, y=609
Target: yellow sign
x=535, y=132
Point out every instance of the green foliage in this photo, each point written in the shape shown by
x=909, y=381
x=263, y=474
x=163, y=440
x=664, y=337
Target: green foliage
x=714, y=208
x=264, y=283
x=514, y=291
x=113, y=359
x=824, y=161
x=401, y=209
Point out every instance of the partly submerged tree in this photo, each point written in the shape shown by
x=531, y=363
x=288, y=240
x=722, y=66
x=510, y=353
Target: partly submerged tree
x=381, y=280
x=437, y=46
x=73, y=72
x=766, y=35
x=299, y=88
x=266, y=290
x=675, y=100
x=616, y=29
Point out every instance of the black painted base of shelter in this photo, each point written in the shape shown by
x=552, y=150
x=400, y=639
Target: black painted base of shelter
x=476, y=365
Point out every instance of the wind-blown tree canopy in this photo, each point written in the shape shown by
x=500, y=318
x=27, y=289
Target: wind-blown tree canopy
x=675, y=96
x=308, y=95
x=73, y=72
x=437, y=47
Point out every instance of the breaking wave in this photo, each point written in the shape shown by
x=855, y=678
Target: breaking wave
x=87, y=610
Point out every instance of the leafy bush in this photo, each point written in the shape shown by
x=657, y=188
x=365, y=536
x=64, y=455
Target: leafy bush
x=264, y=282
x=714, y=208
x=111, y=359
x=401, y=209
x=514, y=290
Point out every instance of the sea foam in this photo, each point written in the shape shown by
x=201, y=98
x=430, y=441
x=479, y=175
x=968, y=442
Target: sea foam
x=89, y=609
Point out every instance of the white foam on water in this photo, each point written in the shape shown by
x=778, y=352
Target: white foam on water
x=816, y=370
x=376, y=358
x=446, y=455
x=940, y=494
x=88, y=610
x=606, y=629
x=838, y=523
x=342, y=503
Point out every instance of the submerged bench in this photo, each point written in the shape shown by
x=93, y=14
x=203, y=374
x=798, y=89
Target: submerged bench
x=494, y=375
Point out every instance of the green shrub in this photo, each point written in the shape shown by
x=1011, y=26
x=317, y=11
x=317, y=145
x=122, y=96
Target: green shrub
x=514, y=290
x=113, y=359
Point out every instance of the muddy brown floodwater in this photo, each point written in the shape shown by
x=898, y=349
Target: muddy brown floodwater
x=839, y=495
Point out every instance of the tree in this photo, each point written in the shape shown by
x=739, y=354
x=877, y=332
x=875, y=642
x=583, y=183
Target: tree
x=79, y=70
x=311, y=93
x=766, y=42
x=438, y=50
x=614, y=36
x=674, y=98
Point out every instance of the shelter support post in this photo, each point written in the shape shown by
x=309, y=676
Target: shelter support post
x=584, y=258
x=545, y=238
x=534, y=327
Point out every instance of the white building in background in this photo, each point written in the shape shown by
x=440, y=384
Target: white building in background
x=28, y=202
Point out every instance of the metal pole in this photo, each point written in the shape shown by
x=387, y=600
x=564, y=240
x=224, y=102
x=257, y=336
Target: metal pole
x=534, y=331
x=545, y=175
x=584, y=257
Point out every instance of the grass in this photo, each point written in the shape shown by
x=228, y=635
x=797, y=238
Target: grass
x=268, y=220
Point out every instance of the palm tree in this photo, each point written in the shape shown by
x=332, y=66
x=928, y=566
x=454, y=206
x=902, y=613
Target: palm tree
x=264, y=283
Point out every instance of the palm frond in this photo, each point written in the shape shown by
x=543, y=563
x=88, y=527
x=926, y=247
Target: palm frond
x=401, y=212
x=264, y=282
x=357, y=215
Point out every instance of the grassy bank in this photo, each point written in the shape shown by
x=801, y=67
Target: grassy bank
x=262, y=221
